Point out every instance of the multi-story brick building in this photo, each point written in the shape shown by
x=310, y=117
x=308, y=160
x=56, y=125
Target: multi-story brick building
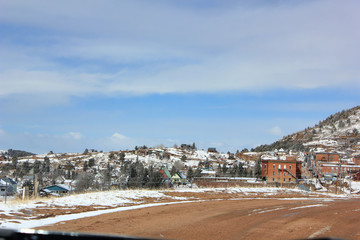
x=328, y=157
x=335, y=169
x=331, y=164
x=281, y=170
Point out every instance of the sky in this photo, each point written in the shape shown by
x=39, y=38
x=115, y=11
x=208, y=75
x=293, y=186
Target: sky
x=112, y=75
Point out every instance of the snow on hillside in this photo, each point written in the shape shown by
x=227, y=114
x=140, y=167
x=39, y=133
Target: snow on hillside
x=339, y=126
x=338, y=132
x=324, y=142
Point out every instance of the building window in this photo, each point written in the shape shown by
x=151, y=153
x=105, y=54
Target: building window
x=284, y=174
x=273, y=165
x=273, y=179
x=284, y=179
x=274, y=173
x=290, y=167
x=279, y=173
x=289, y=179
x=264, y=165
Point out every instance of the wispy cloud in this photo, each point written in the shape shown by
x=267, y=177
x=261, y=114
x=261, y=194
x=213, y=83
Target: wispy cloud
x=117, y=137
x=57, y=57
x=167, y=48
x=74, y=135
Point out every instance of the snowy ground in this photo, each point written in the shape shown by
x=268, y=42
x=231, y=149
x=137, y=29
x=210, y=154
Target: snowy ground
x=33, y=213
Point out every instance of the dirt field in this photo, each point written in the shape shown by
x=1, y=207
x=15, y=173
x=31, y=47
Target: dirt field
x=230, y=219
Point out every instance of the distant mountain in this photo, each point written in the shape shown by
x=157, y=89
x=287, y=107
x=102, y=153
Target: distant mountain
x=338, y=132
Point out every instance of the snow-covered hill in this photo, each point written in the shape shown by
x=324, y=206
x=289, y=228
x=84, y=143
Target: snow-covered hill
x=338, y=132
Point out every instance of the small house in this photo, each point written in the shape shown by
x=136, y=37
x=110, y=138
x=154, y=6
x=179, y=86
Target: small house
x=178, y=178
x=212, y=150
x=166, y=176
x=56, y=190
x=8, y=187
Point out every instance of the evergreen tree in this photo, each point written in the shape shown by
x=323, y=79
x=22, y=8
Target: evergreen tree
x=68, y=174
x=224, y=169
x=234, y=170
x=197, y=172
x=86, y=151
x=193, y=146
x=14, y=162
x=173, y=171
x=241, y=170
x=155, y=180
x=190, y=174
x=245, y=173
x=348, y=121
x=341, y=124
x=85, y=167
x=25, y=168
x=132, y=182
x=257, y=169
x=122, y=156
x=91, y=162
x=46, y=165
x=107, y=176
x=37, y=166
x=145, y=178
x=355, y=131
x=140, y=172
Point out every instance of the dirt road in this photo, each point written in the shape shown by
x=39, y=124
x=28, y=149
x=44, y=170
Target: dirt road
x=230, y=219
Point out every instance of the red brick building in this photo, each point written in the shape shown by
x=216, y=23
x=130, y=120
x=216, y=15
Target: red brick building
x=335, y=169
x=328, y=157
x=356, y=159
x=281, y=170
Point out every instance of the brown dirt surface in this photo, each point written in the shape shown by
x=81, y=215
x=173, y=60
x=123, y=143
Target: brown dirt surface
x=41, y=212
x=230, y=219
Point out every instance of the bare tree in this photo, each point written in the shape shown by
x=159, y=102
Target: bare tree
x=84, y=181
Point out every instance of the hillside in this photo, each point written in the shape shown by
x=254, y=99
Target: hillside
x=338, y=132
x=15, y=153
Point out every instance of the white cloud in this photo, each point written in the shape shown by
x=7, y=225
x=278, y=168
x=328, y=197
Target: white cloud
x=74, y=135
x=116, y=137
x=276, y=131
x=48, y=82
x=165, y=48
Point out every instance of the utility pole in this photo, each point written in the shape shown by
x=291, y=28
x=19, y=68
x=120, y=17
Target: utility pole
x=282, y=173
x=5, y=191
x=340, y=183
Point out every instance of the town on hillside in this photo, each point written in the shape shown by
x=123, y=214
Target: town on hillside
x=59, y=174
x=325, y=157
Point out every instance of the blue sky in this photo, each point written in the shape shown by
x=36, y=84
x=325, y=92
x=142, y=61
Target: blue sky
x=110, y=74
